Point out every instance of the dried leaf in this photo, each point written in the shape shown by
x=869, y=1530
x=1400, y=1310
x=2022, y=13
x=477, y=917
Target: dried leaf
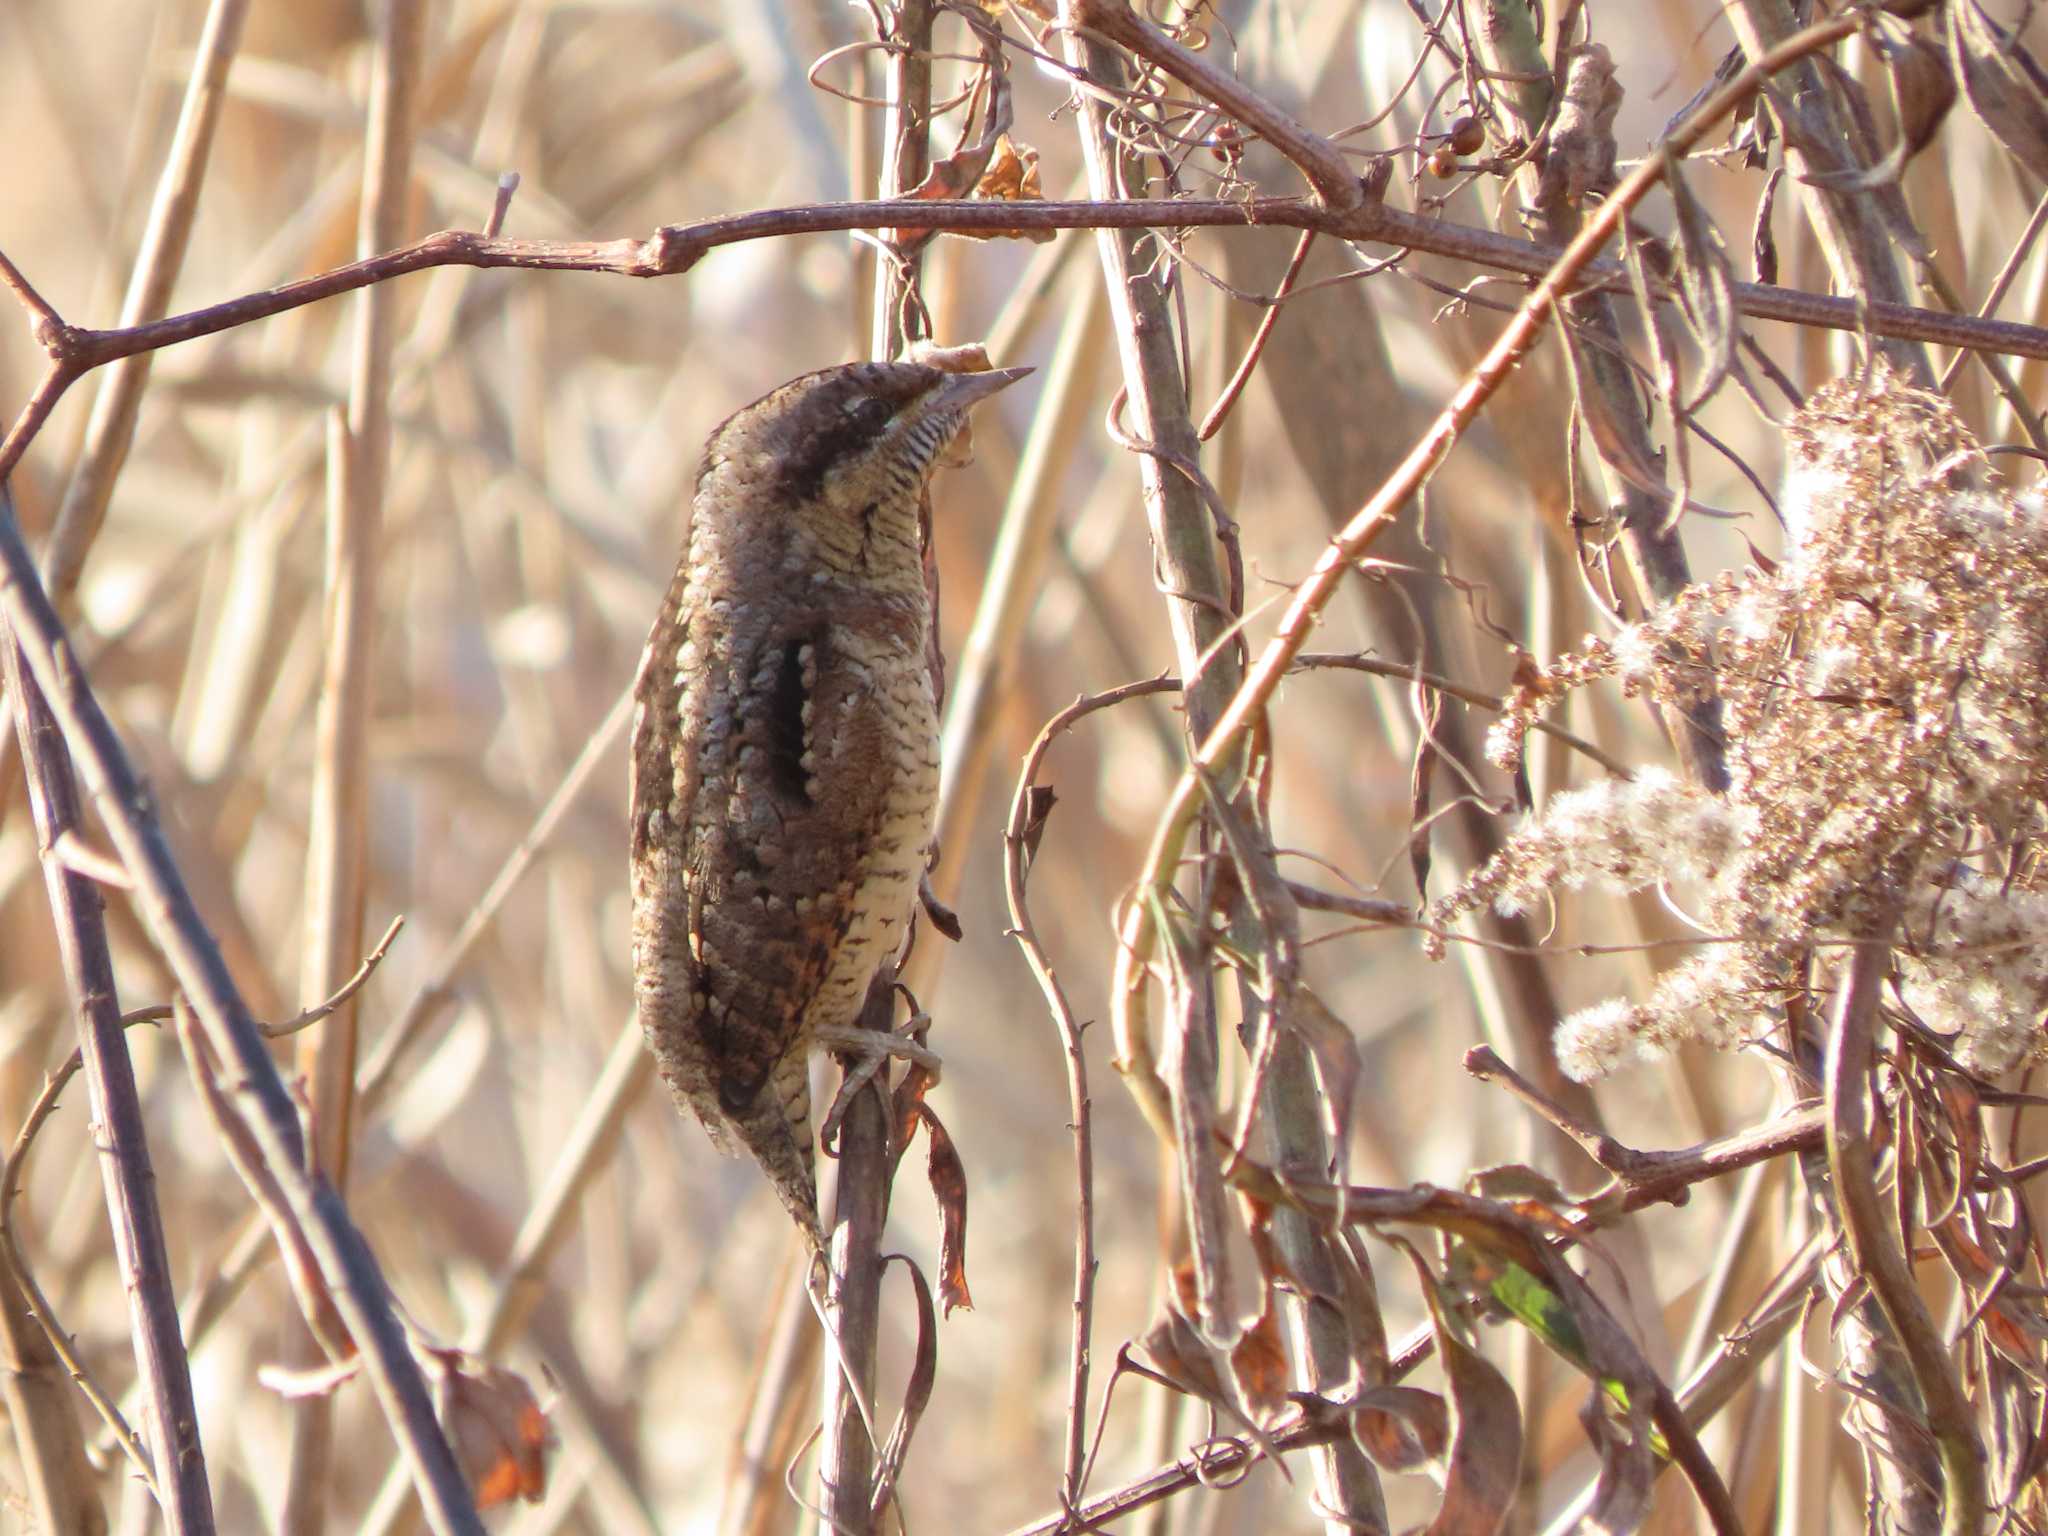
x=1763, y=245
x=917, y=1393
x=907, y=1108
x=1271, y=1263
x=949, y=1187
x=1615, y=446
x=1401, y=1428
x=493, y=1422
x=2004, y=83
x=1484, y=1464
x=1706, y=288
x=1362, y=1315
x=1922, y=92
x=1186, y=1361
x=1922, y=88
x=1621, y=1496
x=1966, y=1125
x=1191, y=1083
x=1011, y=177
x=1039, y=800
x=1258, y=1362
x=1179, y=1354
x=1335, y=1049
x=1670, y=363
x=1431, y=710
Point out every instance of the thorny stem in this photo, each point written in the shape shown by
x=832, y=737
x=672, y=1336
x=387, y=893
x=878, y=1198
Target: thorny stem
x=1851, y=1115
x=676, y=248
x=1019, y=848
x=346, y=1263
x=79, y=912
x=17, y=1159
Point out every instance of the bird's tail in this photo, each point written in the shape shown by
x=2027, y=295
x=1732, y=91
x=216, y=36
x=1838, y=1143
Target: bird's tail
x=776, y=1131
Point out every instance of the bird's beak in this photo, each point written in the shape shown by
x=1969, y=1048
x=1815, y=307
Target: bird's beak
x=958, y=391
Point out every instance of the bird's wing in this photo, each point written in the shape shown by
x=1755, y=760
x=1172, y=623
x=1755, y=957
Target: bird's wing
x=777, y=760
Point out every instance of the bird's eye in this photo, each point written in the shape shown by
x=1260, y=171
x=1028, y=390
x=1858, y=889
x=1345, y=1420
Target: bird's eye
x=868, y=414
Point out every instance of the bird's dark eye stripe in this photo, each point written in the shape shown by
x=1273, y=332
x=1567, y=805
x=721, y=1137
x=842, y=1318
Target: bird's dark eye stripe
x=816, y=451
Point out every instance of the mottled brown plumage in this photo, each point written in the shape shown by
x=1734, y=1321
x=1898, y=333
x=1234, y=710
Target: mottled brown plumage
x=785, y=746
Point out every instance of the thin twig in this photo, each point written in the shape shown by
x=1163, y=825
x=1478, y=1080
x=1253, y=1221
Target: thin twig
x=675, y=249
x=167, y=908
x=1019, y=847
x=847, y=1467
x=1255, y=348
x=1337, y=186
x=170, y=1417
x=1851, y=1120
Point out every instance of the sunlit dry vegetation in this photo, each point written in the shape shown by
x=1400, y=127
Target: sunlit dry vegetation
x=1511, y=999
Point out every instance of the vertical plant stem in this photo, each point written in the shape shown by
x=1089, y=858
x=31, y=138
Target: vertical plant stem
x=906, y=156
x=37, y=1395
x=846, y=1459
x=846, y=1465
x=1199, y=605
x=1877, y=1255
x=337, y=853
x=112, y=425
x=171, y=1422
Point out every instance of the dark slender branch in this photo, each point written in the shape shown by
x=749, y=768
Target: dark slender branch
x=1348, y=661
x=847, y=1455
x=79, y=912
x=166, y=907
x=1653, y=1176
x=1876, y=1253
x=675, y=248
x=1019, y=847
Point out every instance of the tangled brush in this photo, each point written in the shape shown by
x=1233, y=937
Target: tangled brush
x=1885, y=700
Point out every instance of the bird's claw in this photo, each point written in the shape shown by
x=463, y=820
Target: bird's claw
x=863, y=1053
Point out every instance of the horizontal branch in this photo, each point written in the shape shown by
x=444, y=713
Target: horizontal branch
x=675, y=248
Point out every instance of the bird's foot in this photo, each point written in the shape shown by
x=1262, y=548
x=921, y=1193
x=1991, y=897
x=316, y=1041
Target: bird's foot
x=869, y=1050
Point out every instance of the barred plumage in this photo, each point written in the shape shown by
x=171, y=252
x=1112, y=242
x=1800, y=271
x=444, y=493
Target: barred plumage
x=785, y=746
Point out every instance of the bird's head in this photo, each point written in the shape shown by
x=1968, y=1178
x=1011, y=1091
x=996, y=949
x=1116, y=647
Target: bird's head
x=845, y=454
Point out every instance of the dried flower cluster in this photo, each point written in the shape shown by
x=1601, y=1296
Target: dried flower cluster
x=1886, y=707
